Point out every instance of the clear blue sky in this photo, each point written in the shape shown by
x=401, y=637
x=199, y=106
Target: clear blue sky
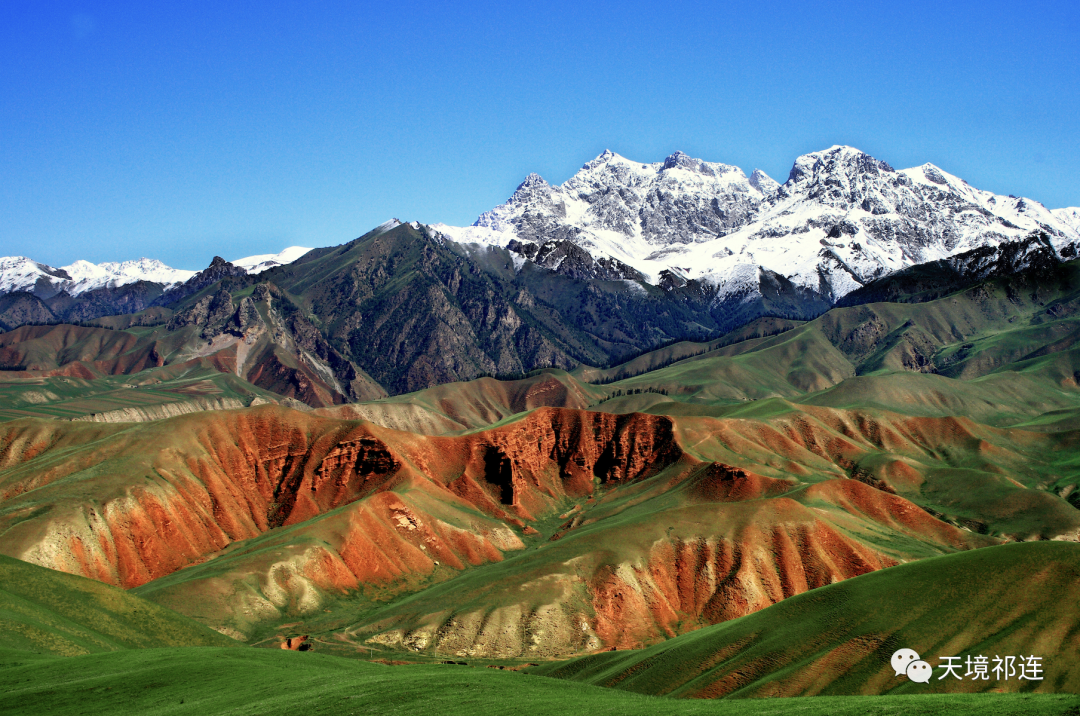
x=188, y=129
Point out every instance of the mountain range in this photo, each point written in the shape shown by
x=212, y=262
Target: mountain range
x=665, y=428
x=619, y=259
x=841, y=220
x=19, y=273
x=587, y=273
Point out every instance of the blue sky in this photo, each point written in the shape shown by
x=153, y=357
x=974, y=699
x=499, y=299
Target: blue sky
x=194, y=129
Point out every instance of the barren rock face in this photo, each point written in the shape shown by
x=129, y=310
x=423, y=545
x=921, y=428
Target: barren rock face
x=554, y=454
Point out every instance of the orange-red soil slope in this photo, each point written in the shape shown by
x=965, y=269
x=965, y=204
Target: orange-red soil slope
x=559, y=532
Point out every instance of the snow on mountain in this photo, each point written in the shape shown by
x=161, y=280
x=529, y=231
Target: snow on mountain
x=639, y=214
x=386, y=226
x=1069, y=215
x=262, y=262
x=18, y=273
x=86, y=276
x=841, y=219
x=764, y=183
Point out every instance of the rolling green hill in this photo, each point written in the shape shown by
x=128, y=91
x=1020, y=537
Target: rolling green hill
x=206, y=682
x=49, y=612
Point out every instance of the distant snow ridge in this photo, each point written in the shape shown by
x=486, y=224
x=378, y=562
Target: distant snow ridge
x=19, y=273
x=262, y=262
x=86, y=276
x=842, y=219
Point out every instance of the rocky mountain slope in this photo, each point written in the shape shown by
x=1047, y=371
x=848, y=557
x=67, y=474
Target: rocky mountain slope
x=416, y=310
x=1034, y=256
x=257, y=335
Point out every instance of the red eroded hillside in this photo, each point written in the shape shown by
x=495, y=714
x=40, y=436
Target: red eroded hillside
x=128, y=504
x=643, y=526
x=667, y=560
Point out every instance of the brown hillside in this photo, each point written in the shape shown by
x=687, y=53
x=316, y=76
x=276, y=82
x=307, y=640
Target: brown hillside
x=99, y=351
x=261, y=338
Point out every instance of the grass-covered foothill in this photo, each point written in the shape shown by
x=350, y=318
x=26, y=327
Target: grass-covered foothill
x=207, y=681
x=149, y=394
x=43, y=611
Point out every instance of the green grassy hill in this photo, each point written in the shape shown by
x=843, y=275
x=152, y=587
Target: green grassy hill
x=150, y=394
x=205, y=682
x=44, y=611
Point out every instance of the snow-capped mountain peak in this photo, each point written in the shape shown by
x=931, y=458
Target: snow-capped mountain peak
x=87, y=276
x=931, y=175
x=531, y=181
x=386, y=226
x=837, y=175
x=18, y=273
x=841, y=219
x=1069, y=216
x=603, y=158
x=678, y=159
x=763, y=183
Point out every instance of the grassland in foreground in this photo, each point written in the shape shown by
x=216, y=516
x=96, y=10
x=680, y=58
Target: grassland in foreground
x=211, y=680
